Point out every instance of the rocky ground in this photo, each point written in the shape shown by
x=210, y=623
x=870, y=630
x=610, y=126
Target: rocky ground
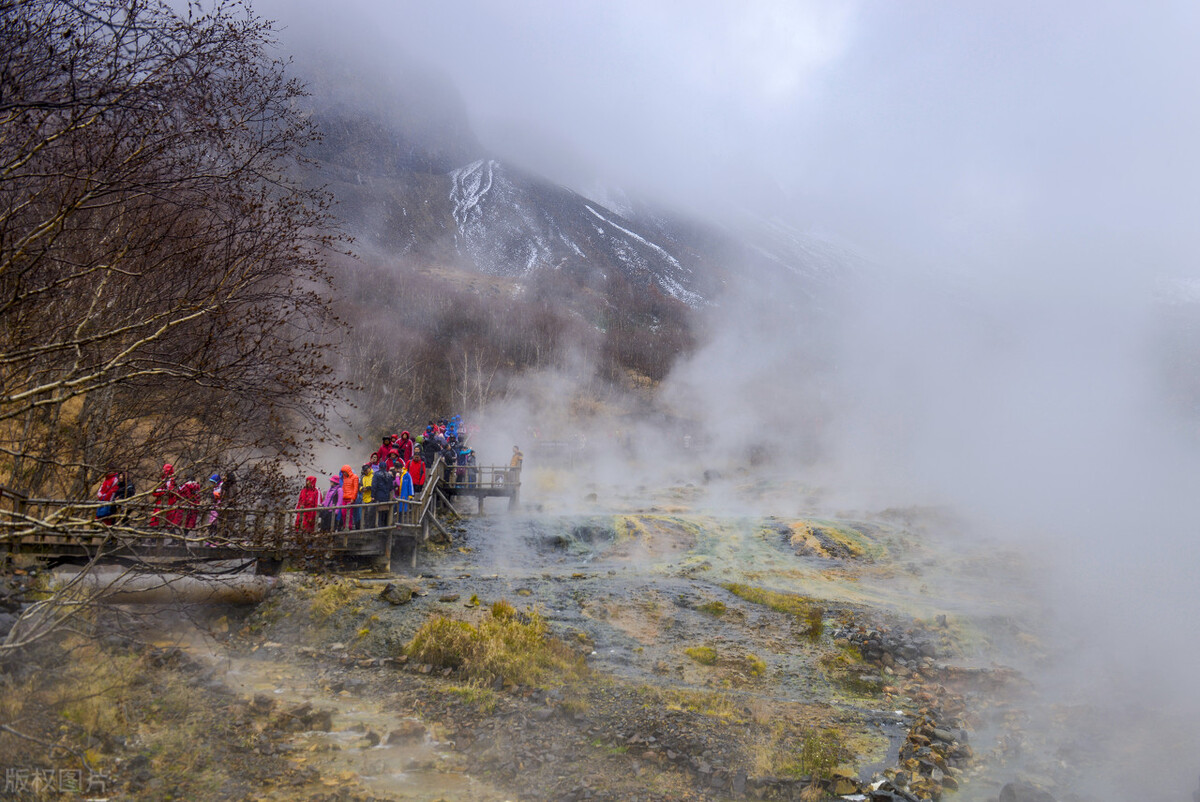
x=718, y=658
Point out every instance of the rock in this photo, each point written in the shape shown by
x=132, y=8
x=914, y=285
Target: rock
x=449, y=598
x=1024, y=791
x=261, y=704
x=843, y=786
x=739, y=783
x=943, y=735
x=319, y=721
x=396, y=594
x=300, y=710
x=406, y=732
x=372, y=739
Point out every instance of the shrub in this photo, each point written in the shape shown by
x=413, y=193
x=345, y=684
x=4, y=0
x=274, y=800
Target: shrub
x=504, y=644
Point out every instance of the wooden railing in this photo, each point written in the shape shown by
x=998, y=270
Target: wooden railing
x=482, y=477
x=46, y=520
x=139, y=521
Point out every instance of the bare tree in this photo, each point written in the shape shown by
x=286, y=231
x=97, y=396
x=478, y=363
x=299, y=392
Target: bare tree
x=161, y=283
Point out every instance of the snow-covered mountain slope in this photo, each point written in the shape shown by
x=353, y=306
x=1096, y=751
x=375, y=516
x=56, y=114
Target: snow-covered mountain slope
x=513, y=224
x=420, y=188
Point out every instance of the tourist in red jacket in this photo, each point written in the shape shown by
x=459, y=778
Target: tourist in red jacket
x=416, y=469
x=189, y=494
x=107, y=492
x=306, y=505
x=166, y=496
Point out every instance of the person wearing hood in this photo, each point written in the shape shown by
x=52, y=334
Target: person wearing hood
x=125, y=490
x=404, y=488
x=190, y=494
x=166, y=500
x=429, y=450
x=406, y=446
x=106, y=494
x=467, y=459
x=365, y=476
x=381, y=493
x=306, y=506
x=459, y=457
x=330, y=508
x=350, y=483
x=218, y=488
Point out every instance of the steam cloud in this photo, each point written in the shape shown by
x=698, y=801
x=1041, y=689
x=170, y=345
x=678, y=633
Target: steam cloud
x=1019, y=180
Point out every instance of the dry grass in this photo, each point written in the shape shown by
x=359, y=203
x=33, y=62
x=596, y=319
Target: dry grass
x=755, y=666
x=332, y=596
x=792, y=604
x=474, y=694
x=713, y=608
x=785, y=752
x=789, y=603
x=706, y=703
x=505, y=643
x=846, y=668
x=704, y=655
x=94, y=695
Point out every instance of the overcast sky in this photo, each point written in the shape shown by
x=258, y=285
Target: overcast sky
x=977, y=134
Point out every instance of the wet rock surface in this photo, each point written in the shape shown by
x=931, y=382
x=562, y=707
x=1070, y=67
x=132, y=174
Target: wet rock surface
x=822, y=677
x=633, y=594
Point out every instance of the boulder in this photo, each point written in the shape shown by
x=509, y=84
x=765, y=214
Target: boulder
x=396, y=594
x=261, y=704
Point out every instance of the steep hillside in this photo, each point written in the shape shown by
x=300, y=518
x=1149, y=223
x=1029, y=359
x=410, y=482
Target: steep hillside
x=619, y=282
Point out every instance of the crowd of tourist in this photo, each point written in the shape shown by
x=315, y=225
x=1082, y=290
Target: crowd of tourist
x=391, y=481
x=388, y=484
x=178, y=506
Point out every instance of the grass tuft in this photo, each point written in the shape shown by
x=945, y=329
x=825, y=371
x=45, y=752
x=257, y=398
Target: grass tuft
x=516, y=647
x=705, y=703
x=331, y=597
x=704, y=655
x=792, y=604
x=714, y=608
x=803, y=753
x=474, y=694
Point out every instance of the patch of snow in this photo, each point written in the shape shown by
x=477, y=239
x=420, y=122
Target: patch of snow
x=570, y=243
x=627, y=254
x=468, y=185
x=647, y=243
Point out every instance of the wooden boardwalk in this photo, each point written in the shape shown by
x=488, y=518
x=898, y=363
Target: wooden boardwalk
x=390, y=532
